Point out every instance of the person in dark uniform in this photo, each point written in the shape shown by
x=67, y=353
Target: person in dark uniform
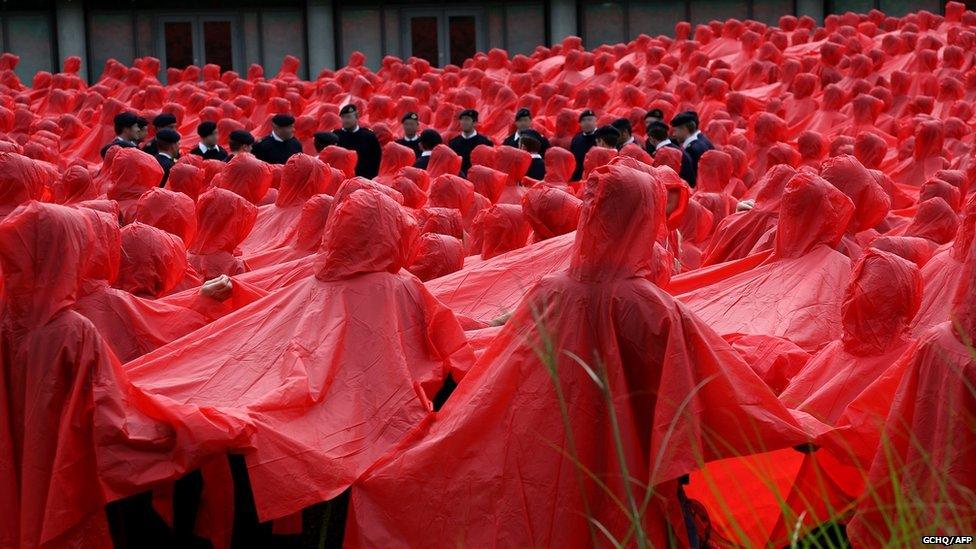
x=280, y=144
x=126, y=131
x=531, y=142
x=523, y=123
x=163, y=121
x=143, y=130
x=583, y=141
x=626, y=133
x=685, y=129
x=168, y=143
x=429, y=139
x=208, y=147
x=361, y=140
x=657, y=138
x=607, y=137
x=240, y=141
x=411, y=139
x=653, y=115
x=469, y=138
x=322, y=140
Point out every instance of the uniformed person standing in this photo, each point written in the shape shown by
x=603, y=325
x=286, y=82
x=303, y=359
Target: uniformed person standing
x=583, y=141
x=429, y=139
x=657, y=139
x=162, y=121
x=468, y=139
x=531, y=142
x=411, y=139
x=523, y=123
x=684, y=126
x=126, y=131
x=240, y=141
x=364, y=142
x=280, y=144
x=168, y=145
x=322, y=140
x=208, y=147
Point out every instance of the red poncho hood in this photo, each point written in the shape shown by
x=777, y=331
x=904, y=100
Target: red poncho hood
x=153, y=261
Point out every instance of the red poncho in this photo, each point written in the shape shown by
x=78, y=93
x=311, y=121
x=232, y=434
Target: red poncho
x=339, y=365
x=499, y=450
x=224, y=220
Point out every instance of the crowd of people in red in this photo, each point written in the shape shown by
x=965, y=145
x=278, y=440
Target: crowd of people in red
x=717, y=288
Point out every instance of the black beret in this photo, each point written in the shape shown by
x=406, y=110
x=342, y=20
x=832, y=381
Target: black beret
x=531, y=134
x=586, y=113
x=348, y=109
x=164, y=119
x=142, y=122
x=168, y=136
x=283, y=120
x=326, y=138
x=523, y=113
x=470, y=113
x=608, y=133
x=242, y=137
x=621, y=124
x=657, y=125
x=655, y=113
x=410, y=116
x=206, y=129
x=430, y=138
x=126, y=119
x=683, y=118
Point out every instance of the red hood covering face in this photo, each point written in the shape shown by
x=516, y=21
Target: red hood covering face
x=132, y=173
x=103, y=256
x=551, y=211
x=302, y=177
x=21, y=180
x=170, y=211
x=883, y=297
x=367, y=233
x=224, y=219
x=714, y=172
x=75, y=186
x=311, y=223
x=153, y=261
x=560, y=164
x=966, y=232
x=42, y=252
x=436, y=255
x=935, y=220
x=395, y=156
x=871, y=202
x=504, y=228
x=443, y=161
x=937, y=188
x=187, y=179
x=451, y=191
x=247, y=176
x=342, y=159
x=620, y=204
x=813, y=213
x=487, y=182
x=446, y=221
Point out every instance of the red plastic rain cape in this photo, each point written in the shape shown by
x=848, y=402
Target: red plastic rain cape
x=797, y=292
x=664, y=368
x=339, y=365
x=131, y=174
x=152, y=263
x=170, y=211
x=928, y=446
x=21, y=180
x=224, y=220
x=246, y=176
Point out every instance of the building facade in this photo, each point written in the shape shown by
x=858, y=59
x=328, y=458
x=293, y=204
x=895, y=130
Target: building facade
x=324, y=33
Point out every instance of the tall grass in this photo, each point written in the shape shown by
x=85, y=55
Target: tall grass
x=907, y=515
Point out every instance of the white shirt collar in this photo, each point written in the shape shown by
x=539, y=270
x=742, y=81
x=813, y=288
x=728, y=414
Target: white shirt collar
x=426, y=153
x=167, y=155
x=354, y=130
x=691, y=138
x=469, y=136
x=276, y=138
x=536, y=155
x=119, y=138
x=661, y=144
x=517, y=135
x=411, y=139
x=628, y=142
x=203, y=148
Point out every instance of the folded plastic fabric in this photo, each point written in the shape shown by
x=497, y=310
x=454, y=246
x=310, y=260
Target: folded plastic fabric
x=339, y=366
x=532, y=411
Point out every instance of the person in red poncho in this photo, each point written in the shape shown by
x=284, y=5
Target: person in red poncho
x=329, y=372
x=530, y=452
x=923, y=478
